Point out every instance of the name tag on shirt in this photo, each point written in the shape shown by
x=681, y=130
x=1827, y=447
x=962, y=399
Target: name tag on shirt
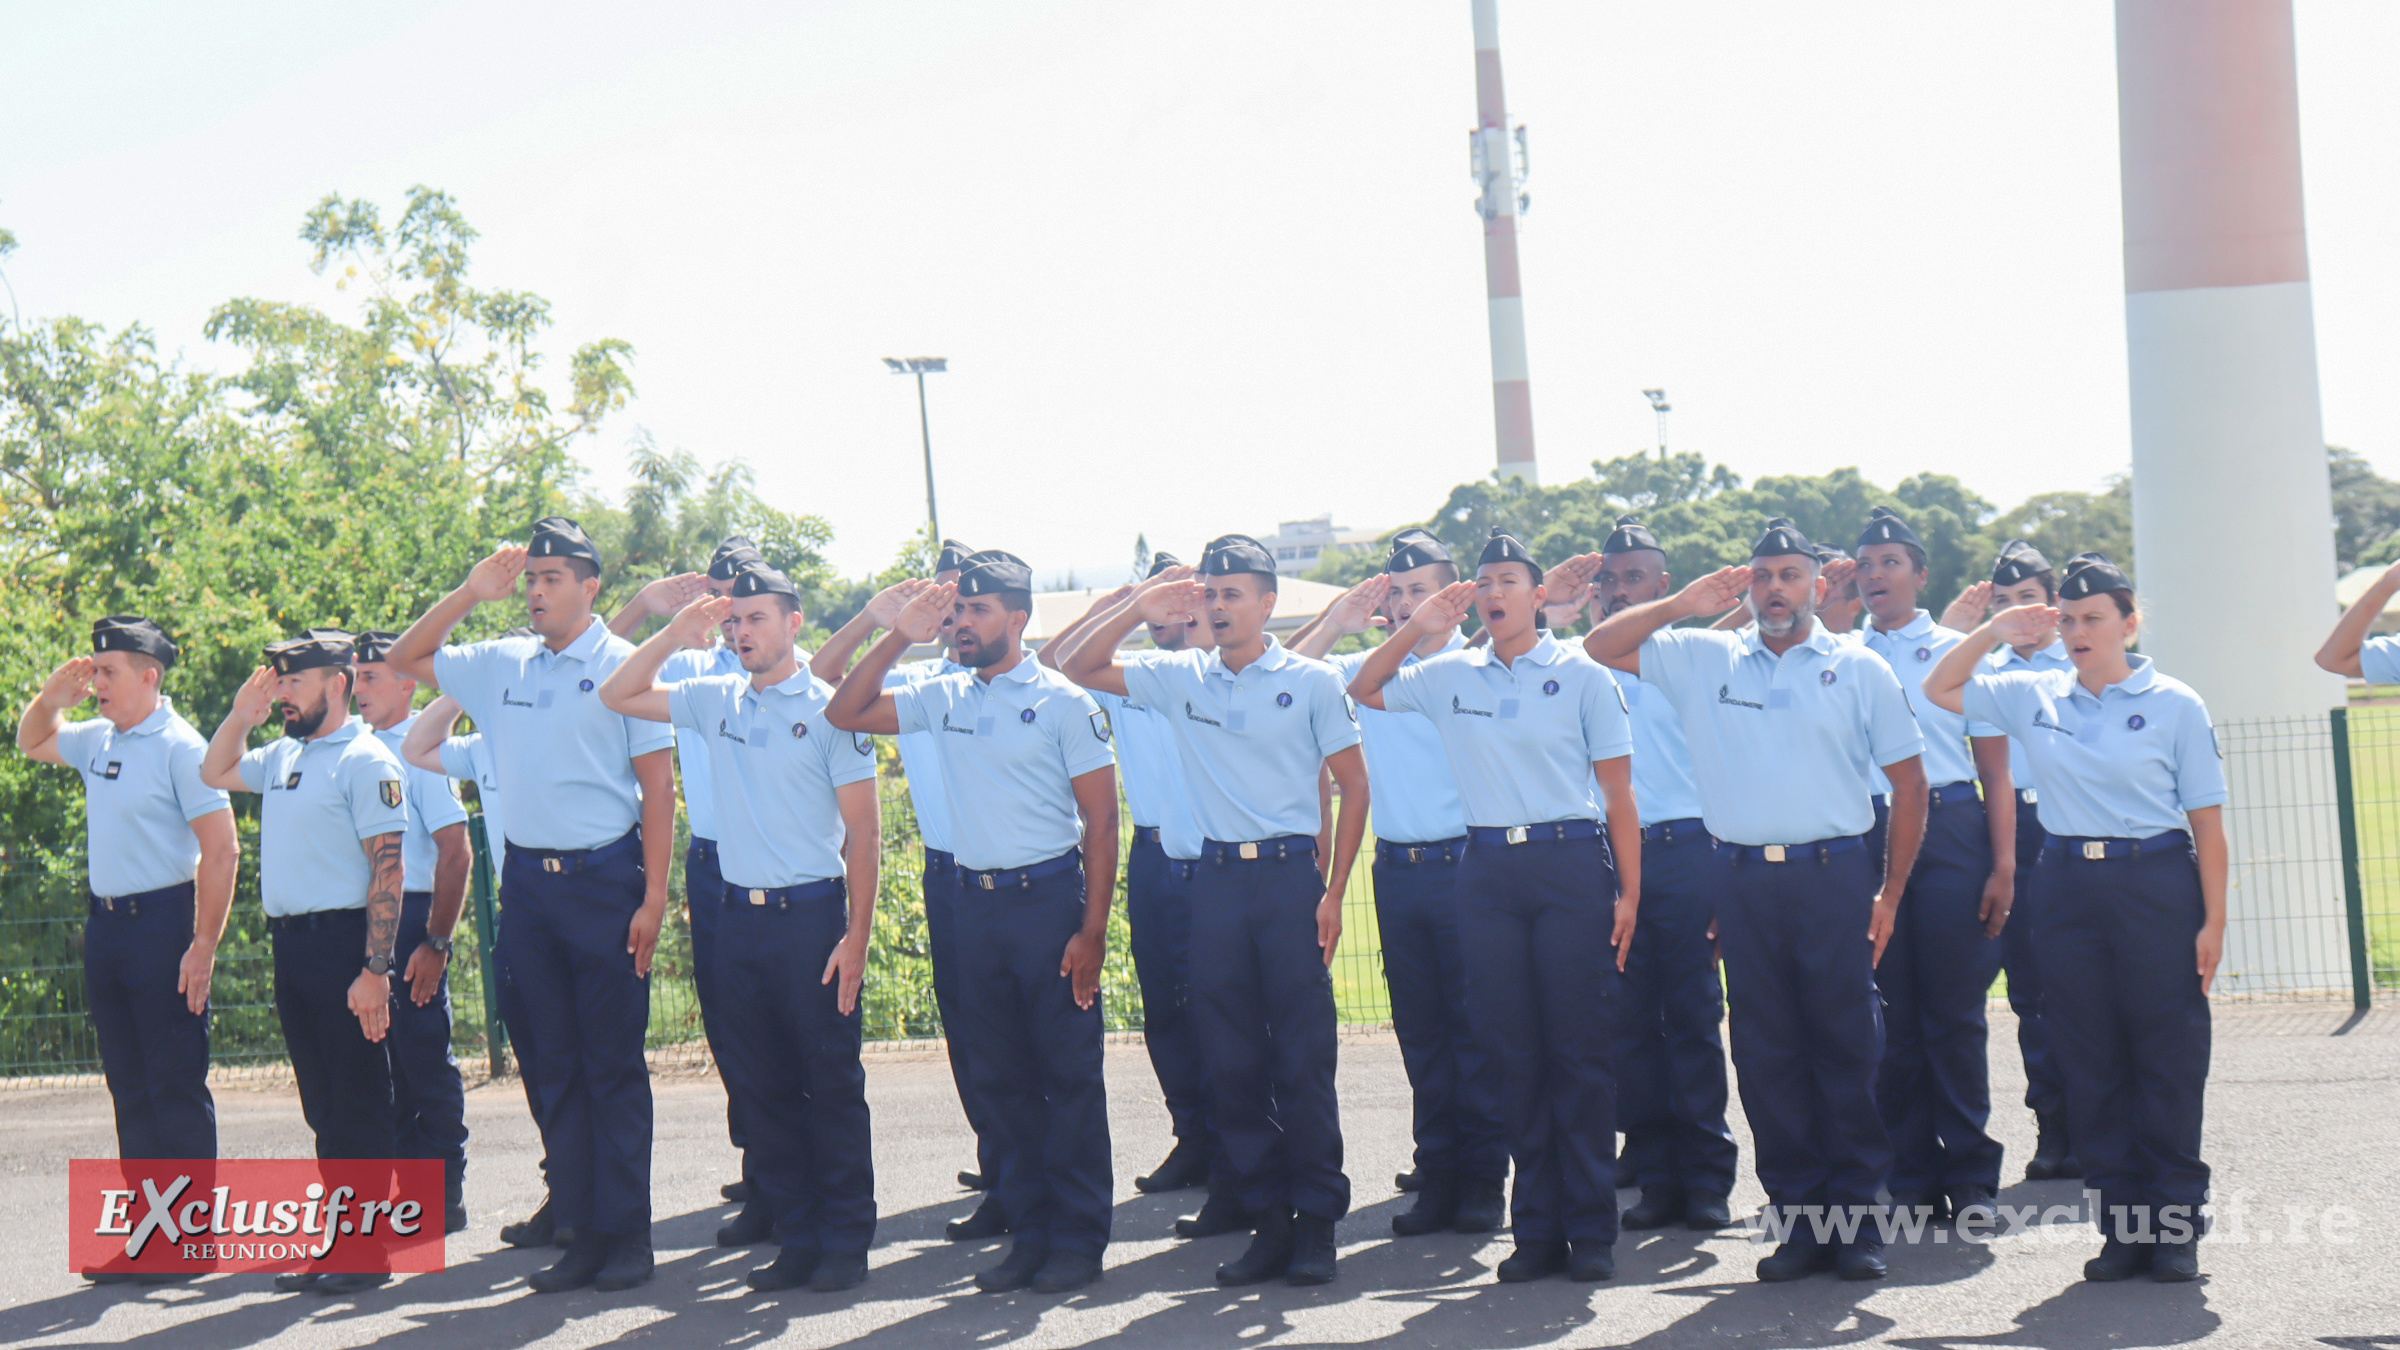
x=545, y=698
x=115, y=767
x=1779, y=698
x=1234, y=720
x=983, y=726
x=1508, y=708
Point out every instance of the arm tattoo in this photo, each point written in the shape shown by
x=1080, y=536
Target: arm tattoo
x=383, y=895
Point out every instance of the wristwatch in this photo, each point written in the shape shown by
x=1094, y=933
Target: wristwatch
x=379, y=965
x=439, y=944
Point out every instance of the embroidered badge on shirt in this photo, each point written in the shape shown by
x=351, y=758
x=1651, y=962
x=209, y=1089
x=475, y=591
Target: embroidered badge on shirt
x=1100, y=727
x=292, y=784
x=2136, y=722
x=388, y=789
x=799, y=730
x=1284, y=699
x=115, y=767
x=1026, y=716
x=584, y=685
x=1549, y=686
x=1825, y=677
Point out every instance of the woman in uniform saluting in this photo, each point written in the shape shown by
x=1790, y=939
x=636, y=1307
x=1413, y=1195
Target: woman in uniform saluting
x=2132, y=879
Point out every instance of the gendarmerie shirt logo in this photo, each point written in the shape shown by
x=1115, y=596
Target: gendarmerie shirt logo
x=2042, y=718
x=508, y=702
x=1457, y=708
x=1725, y=695
x=1193, y=714
x=728, y=733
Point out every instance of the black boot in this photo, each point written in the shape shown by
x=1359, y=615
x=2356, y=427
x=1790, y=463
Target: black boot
x=1973, y=1196
x=985, y=1223
x=974, y=1181
x=1025, y=1260
x=2049, y=1148
x=2175, y=1262
x=1482, y=1205
x=1660, y=1206
x=1591, y=1259
x=839, y=1271
x=739, y=1192
x=1186, y=1166
x=629, y=1265
x=1066, y=1272
x=349, y=1282
x=1408, y=1180
x=298, y=1282
x=534, y=1232
x=1532, y=1261
x=1270, y=1252
x=1860, y=1259
x=1220, y=1213
x=793, y=1267
x=1706, y=1212
x=1436, y=1208
x=1312, y=1251
x=748, y=1228
x=2117, y=1261
x=1794, y=1260
x=579, y=1267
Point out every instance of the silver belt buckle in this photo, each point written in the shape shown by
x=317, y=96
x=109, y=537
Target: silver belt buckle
x=1772, y=853
x=1516, y=834
x=2029, y=796
x=984, y=879
x=553, y=865
x=1248, y=852
x=2095, y=850
x=758, y=897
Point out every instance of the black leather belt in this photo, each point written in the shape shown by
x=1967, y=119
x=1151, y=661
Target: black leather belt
x=1948, y=794
x=1281, y=848
x=2097, y=850
x=784, y=897
x=1145, y=834
x=707, y=846
x=1006, y=877
x=1549, y=831
x=579, y=859
x=315, y=919
x=1409, y=855
x=178, y=894
x=938, y=861
x=1668, y=831
x=1820, y=849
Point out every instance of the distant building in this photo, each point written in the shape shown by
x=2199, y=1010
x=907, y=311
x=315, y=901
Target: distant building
x=1297, y=544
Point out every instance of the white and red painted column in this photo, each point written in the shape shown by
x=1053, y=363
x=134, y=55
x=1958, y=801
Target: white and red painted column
x=1497, y=168
x=2232, y=510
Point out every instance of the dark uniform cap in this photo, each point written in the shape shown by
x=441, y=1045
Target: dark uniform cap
x=1503, y=547
x=1827, y=553
x=1413, y=548
x=133, y=633
x=2019, y=562
x=559, y=537
x=953, y=557
x=1631, y=534
x=1782, y=537
x=2089, y=574
x=373, y=646
x=1229, y=554
x=1884, y=526
x=993, y=571
x=313, y=650
x=759, y=579
x=730, y=555
x=1160, y=562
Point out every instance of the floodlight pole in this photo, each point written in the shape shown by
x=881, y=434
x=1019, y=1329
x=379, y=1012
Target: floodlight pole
x=921, y=366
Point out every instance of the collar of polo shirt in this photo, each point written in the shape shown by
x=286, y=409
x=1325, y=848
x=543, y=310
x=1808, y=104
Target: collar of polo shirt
x=585, y=645
x=347, y=732
x=795, y=684
x=2139, y=682
x=2056, y=651
x=156, y=722
x=1818, y=639
x=1275, y=657
x=1544, y=651
x=1027, y=669
x=1918, y=626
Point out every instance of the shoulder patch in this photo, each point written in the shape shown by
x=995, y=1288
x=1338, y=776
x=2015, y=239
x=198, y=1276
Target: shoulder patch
x=389, y=790
x=862, y=742
x=1100, y=726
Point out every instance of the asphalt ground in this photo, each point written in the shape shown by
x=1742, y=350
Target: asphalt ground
x=2304, y=1115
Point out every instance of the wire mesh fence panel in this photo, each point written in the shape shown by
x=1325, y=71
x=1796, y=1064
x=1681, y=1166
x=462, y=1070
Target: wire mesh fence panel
x=2374, y=733
x=2286, y=924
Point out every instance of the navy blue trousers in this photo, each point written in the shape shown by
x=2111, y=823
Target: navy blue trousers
x=1534, y=922
x=2130, y=1027
x=786, y=1040
x=1036, y=1058
x=1935, y=1086
x=345, y=1080
x=153, y=1048
x=1455, y=1085
x=1671, y=1088
x=564, y=933
x=429, y=1102
x=2020, y=956
x=939, y=885
x=1264, y=1000
x=1158, y=909
x=703, y=891
x=1807, y=1024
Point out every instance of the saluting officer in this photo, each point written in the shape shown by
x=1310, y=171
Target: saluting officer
x=2133, y=891
x=161, y=852
x=1546, y=904
x=1935, y=1082
x=330, y=873
x=1257, y=726
x=800, y=848
x=591, y=817
x=1671, y=1090
x=1785, y=723
x=429, y=1101
x=1158, y=909
x=1420, y=837
x=1024, y=753
x=937, y=881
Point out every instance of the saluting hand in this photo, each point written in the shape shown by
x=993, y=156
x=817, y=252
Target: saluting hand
x=68, y=685
x=668, y=595
x=256, y=698
x=1081, y=963
x=921, y=619
x=2026, y=625
x=1567, y=587
x=847, y=964
x=371, y=1003
x=692, y=623
x=1966, y=612
x=495, y=578
x=1715, y=593
x=1354, y=610
x=884, y=610
x=1444, y=610
x=1171, y=596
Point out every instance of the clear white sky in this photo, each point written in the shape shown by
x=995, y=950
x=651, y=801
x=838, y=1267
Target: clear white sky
x=1201, y=267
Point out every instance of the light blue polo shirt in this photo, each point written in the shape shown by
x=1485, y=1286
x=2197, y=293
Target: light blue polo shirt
x=2004, y=658
x=1151, y=765
x=1253, y=743
x=691, y=752
x=919, y=759
x=2125, y=765
x=1521, y=737
x=1783, y=747
x=432, y=805
x=470, y=757
x=1912, y=651
x=141, y=791
x=1415, y=794
x=322, y=800
x=1662, y=764
x=1010, y=749
x=775, y=762
x=565, y=760
x=2379, y=660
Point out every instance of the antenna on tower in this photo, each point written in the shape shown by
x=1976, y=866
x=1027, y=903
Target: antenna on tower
x=1500, y=162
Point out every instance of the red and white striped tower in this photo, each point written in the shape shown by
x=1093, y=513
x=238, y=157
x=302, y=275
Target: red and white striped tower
x=1499, y=166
